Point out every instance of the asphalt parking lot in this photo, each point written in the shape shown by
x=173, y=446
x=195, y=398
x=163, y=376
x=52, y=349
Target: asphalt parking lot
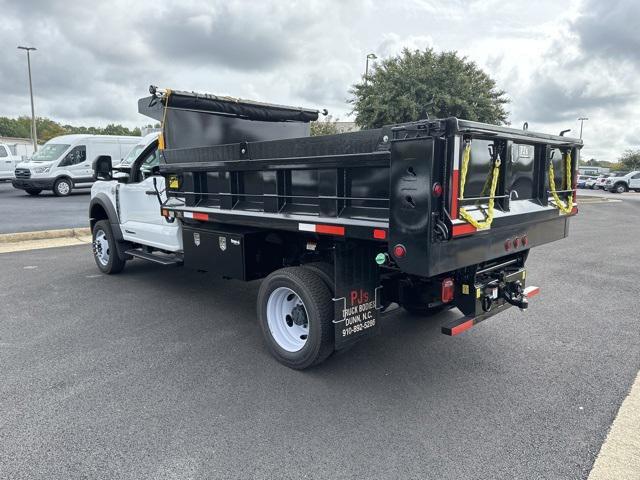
x=24, y=213
x=162, y=373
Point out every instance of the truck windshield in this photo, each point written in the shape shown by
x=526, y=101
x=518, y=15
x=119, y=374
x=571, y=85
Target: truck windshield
x=133, y=154
x=49, y=152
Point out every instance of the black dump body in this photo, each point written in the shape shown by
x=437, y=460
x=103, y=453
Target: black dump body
x=380, y=186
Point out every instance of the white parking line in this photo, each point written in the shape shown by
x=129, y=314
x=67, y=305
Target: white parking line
x=619, y=457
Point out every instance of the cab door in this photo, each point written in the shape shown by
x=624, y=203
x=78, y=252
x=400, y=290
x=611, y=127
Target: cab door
x=140, y=214
x=634, y=182
x=74, y=164
x=7, y=162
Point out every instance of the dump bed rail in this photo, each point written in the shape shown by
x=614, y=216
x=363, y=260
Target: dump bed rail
x=400, y=184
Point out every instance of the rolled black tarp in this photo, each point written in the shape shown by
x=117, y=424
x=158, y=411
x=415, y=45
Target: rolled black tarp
x=205, y=102
x=199, y=120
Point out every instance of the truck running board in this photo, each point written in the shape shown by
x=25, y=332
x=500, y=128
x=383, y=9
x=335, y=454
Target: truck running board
x=165, y=260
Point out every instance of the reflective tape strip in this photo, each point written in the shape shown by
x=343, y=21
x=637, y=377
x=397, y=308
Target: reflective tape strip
x=196, y=215
x=463, y=229
x=306, y=227
x=326, y=229
x=531, y=291
x=463, y=327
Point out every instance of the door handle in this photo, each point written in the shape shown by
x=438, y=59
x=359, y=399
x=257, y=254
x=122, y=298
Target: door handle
x=150, y=192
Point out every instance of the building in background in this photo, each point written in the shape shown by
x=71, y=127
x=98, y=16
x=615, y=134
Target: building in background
x=588, y=170
x=21, y=147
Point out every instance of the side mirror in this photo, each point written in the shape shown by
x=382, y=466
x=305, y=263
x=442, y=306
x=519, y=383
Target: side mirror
x=102, y=168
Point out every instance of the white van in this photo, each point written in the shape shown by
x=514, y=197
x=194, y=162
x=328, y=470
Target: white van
x=65, y=162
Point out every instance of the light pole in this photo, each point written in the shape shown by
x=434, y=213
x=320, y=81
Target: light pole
x=370, y=56
x=34, y=134
x=582, y=119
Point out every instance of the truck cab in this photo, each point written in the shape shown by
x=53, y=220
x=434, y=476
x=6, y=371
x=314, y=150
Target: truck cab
x=64, y=163
x=8, y=162
x=130, y=197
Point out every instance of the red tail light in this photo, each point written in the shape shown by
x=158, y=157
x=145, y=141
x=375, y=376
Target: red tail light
x=399, y=251
x=448, y=290
x=437, y=190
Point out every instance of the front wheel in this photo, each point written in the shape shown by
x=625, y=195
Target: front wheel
x=33, y=191
x=62, y=187
x=105, y=252
x=619, y=188
x=295, y=312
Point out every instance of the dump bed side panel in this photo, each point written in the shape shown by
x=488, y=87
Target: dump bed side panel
x=410, y=202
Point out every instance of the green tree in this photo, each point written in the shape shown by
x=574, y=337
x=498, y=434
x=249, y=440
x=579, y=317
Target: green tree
x=400, y=89
x=630, y=160
x=47, y=129
x=324, y=127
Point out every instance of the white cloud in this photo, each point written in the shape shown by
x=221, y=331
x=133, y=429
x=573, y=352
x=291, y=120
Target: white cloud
x=556, y=60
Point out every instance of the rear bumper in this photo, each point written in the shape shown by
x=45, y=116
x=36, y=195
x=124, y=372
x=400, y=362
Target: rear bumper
x=477, y=303
x=29, y=183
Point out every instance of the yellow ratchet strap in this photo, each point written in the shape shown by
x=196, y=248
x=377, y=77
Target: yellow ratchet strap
x=161, y=143
x=486, y=223
x=566, y=209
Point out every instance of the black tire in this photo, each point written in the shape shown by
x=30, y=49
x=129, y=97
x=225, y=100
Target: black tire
x=33, y=191
x=425, y=311
x=318, y=305
x=619, y=188
x=114, y=264
x=325, y=271
x=62, y=187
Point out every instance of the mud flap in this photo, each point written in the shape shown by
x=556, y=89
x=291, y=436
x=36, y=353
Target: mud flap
x=357, y=293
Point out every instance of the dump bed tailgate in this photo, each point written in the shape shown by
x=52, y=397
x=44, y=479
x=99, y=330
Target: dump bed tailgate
x=493, y=191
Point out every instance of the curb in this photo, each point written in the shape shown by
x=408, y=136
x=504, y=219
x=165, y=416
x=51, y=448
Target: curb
x=587, y=199
x=44, y=234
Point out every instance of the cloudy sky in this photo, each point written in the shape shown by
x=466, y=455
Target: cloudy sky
x=557, y=60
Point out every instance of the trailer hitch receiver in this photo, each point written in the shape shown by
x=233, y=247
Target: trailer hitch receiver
x=513, y=293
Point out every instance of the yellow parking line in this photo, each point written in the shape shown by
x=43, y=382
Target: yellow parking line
x=619, y=457
x=8, y=247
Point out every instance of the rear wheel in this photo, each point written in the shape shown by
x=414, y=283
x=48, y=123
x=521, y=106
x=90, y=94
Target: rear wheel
x=295, y=312
x=62, y=187
x=325, y=271
x=105, y=252
x=33, y=191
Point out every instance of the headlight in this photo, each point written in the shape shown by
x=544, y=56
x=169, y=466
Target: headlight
x=42, y=169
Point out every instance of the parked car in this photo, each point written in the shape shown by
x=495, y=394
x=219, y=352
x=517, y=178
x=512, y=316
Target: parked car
x=623, y=182
x=582, y=180
x=591, y=182
x=65, y=162
x=601, y=181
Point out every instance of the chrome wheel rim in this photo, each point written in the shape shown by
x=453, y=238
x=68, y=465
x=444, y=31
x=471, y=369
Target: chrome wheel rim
x=63, y=188
x=287, y=319
x=101, y=247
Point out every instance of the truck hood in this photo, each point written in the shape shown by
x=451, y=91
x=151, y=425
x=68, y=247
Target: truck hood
x=34, y=164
